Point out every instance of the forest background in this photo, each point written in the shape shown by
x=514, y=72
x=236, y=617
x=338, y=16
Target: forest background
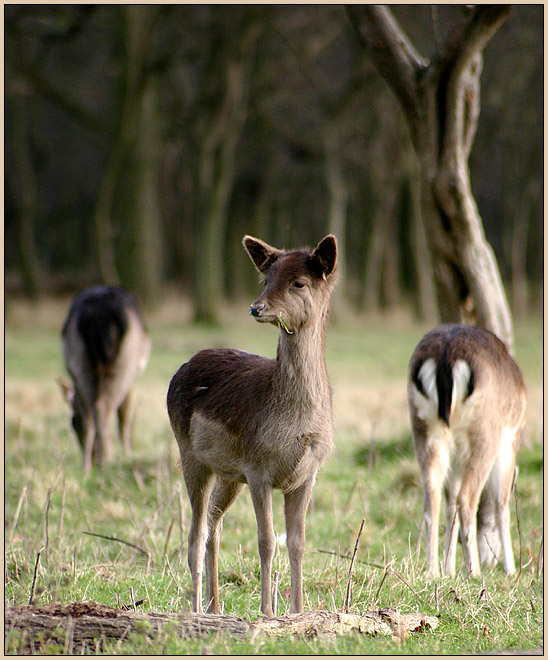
x=143, y=141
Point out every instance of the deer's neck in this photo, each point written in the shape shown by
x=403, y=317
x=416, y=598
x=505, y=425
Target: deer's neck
x=301, y=381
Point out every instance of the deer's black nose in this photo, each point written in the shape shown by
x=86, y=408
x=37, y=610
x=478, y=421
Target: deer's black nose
x=256, y=309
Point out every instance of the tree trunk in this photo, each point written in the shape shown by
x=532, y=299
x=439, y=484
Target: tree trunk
x=426, y=294
x=85, y=627
x=440, y=100
x=140, y=260
x=132, y=159
x=30, y=264
x=518, y=247
x=381, y=242
x=338, y=199
x=217, y=172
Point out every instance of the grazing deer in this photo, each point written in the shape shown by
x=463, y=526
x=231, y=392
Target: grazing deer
x=467, y=405
x=105, y=346
x=240, y=418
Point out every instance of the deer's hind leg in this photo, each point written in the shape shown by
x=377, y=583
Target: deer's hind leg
x=224, y=493
x=475, y=471
x=488, y=535
x=451, y=530
x=199, y=482
x=431, y=451
x=499, y=485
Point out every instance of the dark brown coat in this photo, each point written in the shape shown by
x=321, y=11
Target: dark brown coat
x=241, y=418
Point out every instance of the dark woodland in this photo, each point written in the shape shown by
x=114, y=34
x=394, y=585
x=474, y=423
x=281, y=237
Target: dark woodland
x=143, y=141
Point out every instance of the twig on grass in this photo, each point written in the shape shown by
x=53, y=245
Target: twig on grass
x=358, y=561
x=411, y=516
x=35, y=574
x=62, y=515
x=17, y=513
x=171, y=573
x=391, y=570
x=386, y=572
x=168, y=536
x=46, y=522
x=348, y=585
x=540, y=563
x=347, y=502
x=514, y=486
x=117, y=540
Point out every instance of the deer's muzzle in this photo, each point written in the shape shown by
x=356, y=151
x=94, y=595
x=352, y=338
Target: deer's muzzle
x=257, y=309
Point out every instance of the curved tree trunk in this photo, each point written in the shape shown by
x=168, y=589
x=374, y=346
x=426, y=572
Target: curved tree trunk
x=440, y=100
x=426, y=295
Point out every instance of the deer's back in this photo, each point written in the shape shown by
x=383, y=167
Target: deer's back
x=225, y=411
x=223, y=384
x=459, y=372
x=104, y=339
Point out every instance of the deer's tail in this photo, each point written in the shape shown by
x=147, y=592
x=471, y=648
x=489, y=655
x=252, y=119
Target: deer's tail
x=445, y=382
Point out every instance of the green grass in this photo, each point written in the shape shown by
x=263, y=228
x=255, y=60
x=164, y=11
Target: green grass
x=141, y=499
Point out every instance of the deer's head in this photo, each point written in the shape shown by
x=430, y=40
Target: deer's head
x=298, y=283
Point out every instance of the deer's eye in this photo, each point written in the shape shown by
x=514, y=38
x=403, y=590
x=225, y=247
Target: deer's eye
x=298, y=284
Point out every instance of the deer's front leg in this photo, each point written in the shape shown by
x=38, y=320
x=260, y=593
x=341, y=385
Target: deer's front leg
x=102, y=418
x=475, y=471
x=261, y=495
x=88, y=441
x=296, y=504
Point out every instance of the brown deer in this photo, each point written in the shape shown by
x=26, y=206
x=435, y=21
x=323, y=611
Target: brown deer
x=240, y=418
x=105, y=347
x=467, y=405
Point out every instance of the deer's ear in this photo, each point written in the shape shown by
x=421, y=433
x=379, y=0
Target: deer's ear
x=325, y=255
x=262, y=255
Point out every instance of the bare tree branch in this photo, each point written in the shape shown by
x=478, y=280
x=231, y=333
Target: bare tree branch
x=390, y=49
x=466, y=69
x=484, y=24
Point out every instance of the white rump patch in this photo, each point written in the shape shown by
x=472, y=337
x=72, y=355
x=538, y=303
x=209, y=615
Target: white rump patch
x=427, y=376
x=427, y=404
x=461, y=379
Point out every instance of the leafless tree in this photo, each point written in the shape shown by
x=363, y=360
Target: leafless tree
x=440, y=98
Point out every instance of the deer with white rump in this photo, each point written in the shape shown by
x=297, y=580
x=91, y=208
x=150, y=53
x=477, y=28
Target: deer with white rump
x=467, y=404
x=240, y=418
x=105, y=346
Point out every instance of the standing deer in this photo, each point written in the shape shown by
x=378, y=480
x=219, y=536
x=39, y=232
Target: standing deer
x=467, y=405
x=105, y=347
x=240, y=418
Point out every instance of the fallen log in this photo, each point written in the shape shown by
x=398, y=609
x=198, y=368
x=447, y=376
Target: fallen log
x=85, y=627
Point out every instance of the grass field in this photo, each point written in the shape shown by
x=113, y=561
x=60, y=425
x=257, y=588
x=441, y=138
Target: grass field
x=141, y=499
